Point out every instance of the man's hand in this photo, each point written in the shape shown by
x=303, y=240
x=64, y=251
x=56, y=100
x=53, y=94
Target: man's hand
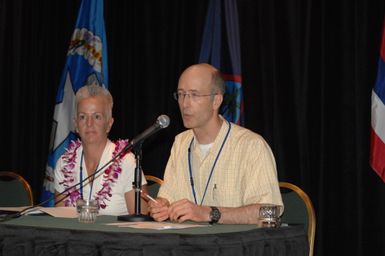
x=184, y=209
x=159, y=210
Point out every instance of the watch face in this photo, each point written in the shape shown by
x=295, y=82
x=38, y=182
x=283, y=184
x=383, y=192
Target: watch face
x=215, y=215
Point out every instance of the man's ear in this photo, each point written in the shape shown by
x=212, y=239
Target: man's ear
x=218, y=99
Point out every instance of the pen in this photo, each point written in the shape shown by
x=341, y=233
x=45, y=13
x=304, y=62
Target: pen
x=148, y=196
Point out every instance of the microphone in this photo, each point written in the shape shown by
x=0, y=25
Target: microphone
x=161, y=122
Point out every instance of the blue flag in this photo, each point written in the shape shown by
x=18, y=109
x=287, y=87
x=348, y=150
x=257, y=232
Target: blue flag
x=226, y=57
x=86, y=63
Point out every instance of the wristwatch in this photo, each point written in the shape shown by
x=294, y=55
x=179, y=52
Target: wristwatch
x=215, y=215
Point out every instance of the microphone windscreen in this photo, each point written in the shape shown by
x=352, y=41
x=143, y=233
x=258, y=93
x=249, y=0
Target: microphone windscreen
x=163, y=121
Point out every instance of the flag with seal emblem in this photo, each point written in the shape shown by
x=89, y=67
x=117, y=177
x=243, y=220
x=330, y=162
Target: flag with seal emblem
x=225, y=55
x=86, y=63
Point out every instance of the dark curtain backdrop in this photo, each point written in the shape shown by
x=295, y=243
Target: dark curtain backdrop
x=308, y=70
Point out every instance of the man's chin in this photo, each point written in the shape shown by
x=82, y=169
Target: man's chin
x=187, y=125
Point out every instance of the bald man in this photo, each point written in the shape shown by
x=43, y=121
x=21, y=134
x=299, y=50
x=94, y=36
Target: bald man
x=218, y=171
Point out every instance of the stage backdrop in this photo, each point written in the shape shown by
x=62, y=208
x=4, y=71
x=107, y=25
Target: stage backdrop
x=308, y=68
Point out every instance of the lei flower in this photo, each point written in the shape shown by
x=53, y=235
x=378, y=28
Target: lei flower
x=110, y=175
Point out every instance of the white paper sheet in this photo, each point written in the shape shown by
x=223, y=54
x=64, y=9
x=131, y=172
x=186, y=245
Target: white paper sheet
x=155, y=225
x=62, y=212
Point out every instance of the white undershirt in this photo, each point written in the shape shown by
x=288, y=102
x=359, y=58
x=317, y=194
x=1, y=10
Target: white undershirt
x=205, y=148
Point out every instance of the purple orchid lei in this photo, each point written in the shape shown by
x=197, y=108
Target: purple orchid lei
x=111, y=174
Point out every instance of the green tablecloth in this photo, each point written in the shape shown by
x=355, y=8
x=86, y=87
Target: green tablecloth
x=46, y=235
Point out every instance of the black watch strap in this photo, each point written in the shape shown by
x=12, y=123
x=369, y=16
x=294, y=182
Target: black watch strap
x=215, y=215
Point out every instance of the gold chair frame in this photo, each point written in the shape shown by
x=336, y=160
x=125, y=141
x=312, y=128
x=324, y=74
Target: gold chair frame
x=154, y=179
x=153, y=188
x=19, y=178
x=311, y=225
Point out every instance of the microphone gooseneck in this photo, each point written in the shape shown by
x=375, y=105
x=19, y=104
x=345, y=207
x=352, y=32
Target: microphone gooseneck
x=162, y=121
x=30, y=208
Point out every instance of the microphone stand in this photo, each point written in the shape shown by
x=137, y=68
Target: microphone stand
x=137, y=184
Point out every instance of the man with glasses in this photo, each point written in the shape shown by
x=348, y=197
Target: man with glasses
x=217, y=170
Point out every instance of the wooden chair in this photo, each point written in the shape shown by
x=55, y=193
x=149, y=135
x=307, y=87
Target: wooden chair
x=298, y=210
x=153, y=185
x=14, y=190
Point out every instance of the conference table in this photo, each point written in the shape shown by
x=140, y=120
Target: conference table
x=47, y=235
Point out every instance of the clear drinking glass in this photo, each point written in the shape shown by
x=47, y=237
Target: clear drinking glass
x=87, y=210
x=269, y=216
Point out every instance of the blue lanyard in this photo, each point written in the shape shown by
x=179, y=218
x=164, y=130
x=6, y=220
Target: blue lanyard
x=81, y=178
x=212, y=169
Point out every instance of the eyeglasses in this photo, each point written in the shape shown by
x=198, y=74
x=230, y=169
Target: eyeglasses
x=191, y=95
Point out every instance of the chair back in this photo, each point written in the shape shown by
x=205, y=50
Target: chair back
x=153, y=185
x=298, y=210
x=14, y=190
